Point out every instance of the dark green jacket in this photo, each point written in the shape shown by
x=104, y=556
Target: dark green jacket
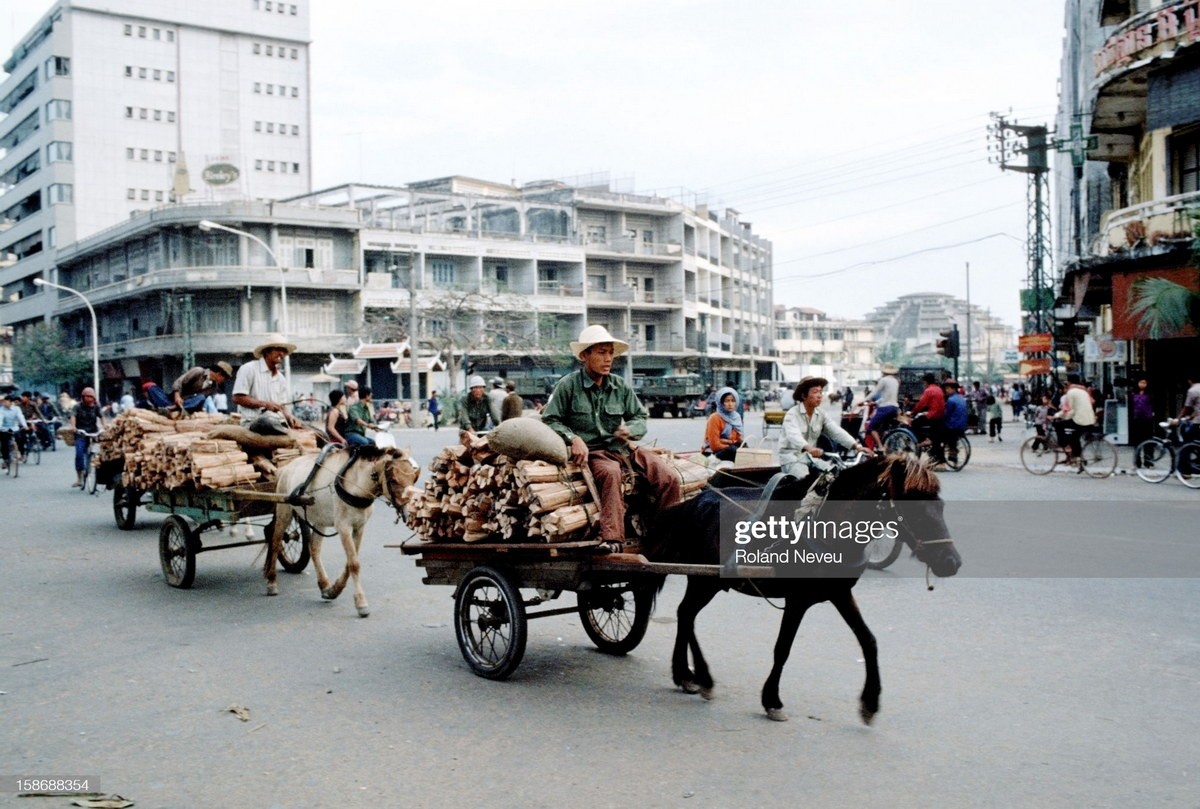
x=581, y=408
x=473, y=415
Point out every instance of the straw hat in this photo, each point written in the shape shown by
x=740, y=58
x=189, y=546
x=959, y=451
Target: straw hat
x=594, y=335
x=223, y=367
x=274, y=341
x=806, y=383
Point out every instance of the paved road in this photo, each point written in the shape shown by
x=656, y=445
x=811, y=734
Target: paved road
x=1000, y=691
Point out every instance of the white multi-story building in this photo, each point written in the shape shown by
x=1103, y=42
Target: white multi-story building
x=809, y=343
x=115, y=107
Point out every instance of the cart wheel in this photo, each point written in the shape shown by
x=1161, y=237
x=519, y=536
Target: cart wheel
x=900, y=442
x=615, y=616
x=125, y=503
x=882, y=552
x=294, y=555
x=177, y=552
x=489, y=621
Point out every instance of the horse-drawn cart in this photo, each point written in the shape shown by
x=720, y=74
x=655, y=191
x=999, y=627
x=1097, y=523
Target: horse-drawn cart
x=614, y=593
x=246, y=508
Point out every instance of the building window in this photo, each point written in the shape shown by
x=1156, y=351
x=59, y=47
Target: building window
x=157, y=115
x=256, y=49
x=61, y=192
x=129, y=112
x=59, y=151
x=170, y=117
x=270, y=128
x=52, y=236
x=58, y=110
x=130, y=193
x=295, y=52
x=144, y=154
x=268, y=5
x=128, y=30
x=293, y=10
x=295, y=129
x=270, y=50
x=283, y=90
x=257, y=87
x=170, y=75
x=170, y=157
x=158, y=75
x=158, y=196
x=295, y=168
x=145, y=195
x=258, y=165
x=143, y=113
x=141, y=72
x=128, y=72
x=1185, y=160
x=270, y=89
x=170, y=36
x=442, y=272
x=258, y=126
x=129, y=153
x=142, y=31
x=158, y=155
x=295, y=92
x=270, y=165
x=58, y=66
x=158, y=33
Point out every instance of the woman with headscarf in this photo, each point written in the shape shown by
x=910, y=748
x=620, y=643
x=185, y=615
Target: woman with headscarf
x=723, y=432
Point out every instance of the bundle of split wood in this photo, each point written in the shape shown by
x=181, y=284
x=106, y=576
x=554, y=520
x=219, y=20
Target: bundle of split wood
x=475, y=495
x=198, y=451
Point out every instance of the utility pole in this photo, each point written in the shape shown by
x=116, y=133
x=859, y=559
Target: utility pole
x=968, y=322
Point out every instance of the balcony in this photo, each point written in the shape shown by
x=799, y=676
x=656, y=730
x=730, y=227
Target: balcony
x=27, y=308
x=635, y=247
x=660, y=346
x=1161, y=224
x=209, y=278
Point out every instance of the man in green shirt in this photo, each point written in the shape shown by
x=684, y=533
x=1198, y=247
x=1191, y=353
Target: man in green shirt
x=599, y=416
x=473, y=412
x=360, y=416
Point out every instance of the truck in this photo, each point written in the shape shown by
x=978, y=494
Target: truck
x=912, y=380
x=676, y=395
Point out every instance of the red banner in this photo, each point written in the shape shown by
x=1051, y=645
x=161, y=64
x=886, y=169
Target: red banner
x=1035, y=343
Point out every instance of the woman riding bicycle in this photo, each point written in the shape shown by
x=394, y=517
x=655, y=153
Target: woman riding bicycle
x=85, y=418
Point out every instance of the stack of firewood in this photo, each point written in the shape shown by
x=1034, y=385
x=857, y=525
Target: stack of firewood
x=476, y=495
x=163, y=453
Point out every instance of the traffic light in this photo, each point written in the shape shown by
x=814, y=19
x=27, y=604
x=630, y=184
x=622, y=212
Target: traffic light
x=947, y=344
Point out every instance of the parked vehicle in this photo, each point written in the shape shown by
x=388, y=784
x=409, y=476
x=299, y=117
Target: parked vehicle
x=676, y=395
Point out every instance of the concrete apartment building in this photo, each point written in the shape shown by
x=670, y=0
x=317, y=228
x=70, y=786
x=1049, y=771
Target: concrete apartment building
x=118, y=107
x=810, y=343
x=1129, y=294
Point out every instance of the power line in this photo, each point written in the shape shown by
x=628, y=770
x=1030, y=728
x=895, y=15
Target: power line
x=938, y=248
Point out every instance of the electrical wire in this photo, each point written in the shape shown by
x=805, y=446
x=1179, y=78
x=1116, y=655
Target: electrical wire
x=890, y=259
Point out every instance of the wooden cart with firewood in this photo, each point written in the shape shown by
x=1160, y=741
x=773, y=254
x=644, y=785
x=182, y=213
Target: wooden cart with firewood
x=491, y=527
x=207, y=475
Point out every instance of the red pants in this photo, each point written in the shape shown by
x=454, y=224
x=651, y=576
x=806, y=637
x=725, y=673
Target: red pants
x=608, y=468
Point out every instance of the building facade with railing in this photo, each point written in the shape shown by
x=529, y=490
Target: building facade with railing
x=1128, y=296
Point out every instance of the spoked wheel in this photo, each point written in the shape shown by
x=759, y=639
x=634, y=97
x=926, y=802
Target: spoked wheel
x=1037, y=457
x=489, y=621
x=1154, y=460
x=294, y=555
x=33, y=451
x=177, y=552
x=125, y=503
x=900, y=442
x=882, y=552
x=1187, y=465
x=958, y=456
x=1099, y=457
x=615, y=616
x=92, y=481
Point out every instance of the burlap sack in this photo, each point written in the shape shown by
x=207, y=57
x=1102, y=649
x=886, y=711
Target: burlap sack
x=528, y=439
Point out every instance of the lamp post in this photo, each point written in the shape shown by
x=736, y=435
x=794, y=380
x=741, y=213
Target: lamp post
x=207, y=225
x=41, y=282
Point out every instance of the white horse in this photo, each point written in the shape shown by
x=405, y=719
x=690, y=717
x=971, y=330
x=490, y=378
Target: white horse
x=344, y=488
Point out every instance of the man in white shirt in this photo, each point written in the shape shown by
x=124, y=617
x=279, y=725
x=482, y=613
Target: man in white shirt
x=1191, y=408
x=261, y=387
x=803, y=425
x=1078, y=415
x=886, y=397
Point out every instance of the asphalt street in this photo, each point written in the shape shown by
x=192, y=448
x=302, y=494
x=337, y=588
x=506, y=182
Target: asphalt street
x=1013, y=687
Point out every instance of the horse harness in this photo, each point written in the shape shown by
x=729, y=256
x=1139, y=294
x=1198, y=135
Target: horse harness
x=349, y=498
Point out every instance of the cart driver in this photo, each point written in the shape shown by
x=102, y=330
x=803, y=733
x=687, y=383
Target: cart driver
x=261, y=387
x=599, y=417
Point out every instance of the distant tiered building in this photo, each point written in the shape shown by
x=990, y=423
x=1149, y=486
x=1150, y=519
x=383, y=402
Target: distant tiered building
x=911, y=325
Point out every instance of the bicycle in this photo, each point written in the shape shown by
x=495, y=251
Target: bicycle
x=1154, y=458
x=1041, y=454
x=1187, y=459
x=33, y=445
x=91, y=461
x=11, y=453
x=902, y=439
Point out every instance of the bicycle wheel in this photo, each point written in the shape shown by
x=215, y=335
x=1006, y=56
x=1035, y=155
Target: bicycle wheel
x=1098, y=456
x=33, y=450
x=1154, y=460
x=959, y=454
x=1037, y=456
x=1187, y=465
x=900, y=442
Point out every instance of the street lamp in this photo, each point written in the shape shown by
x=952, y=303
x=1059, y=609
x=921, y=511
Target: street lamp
x=41, y=282
x=207, y=225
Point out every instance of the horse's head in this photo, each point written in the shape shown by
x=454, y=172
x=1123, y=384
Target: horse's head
x=400, y=472
x=913, y=490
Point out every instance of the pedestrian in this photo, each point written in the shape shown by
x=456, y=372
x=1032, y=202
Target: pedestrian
x=1017, y=399
x=995, y=419
x=435, y=409
x=513, y=406
x=1141, y=414
x=495, y=401
x=723, y=431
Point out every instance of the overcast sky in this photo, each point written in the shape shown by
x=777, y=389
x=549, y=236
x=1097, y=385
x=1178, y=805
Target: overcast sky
x=849, y=133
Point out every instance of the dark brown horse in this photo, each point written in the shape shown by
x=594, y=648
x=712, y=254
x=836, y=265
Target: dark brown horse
x=690, y=533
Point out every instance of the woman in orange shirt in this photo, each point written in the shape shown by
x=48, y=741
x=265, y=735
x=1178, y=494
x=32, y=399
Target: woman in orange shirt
x=723, y=433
